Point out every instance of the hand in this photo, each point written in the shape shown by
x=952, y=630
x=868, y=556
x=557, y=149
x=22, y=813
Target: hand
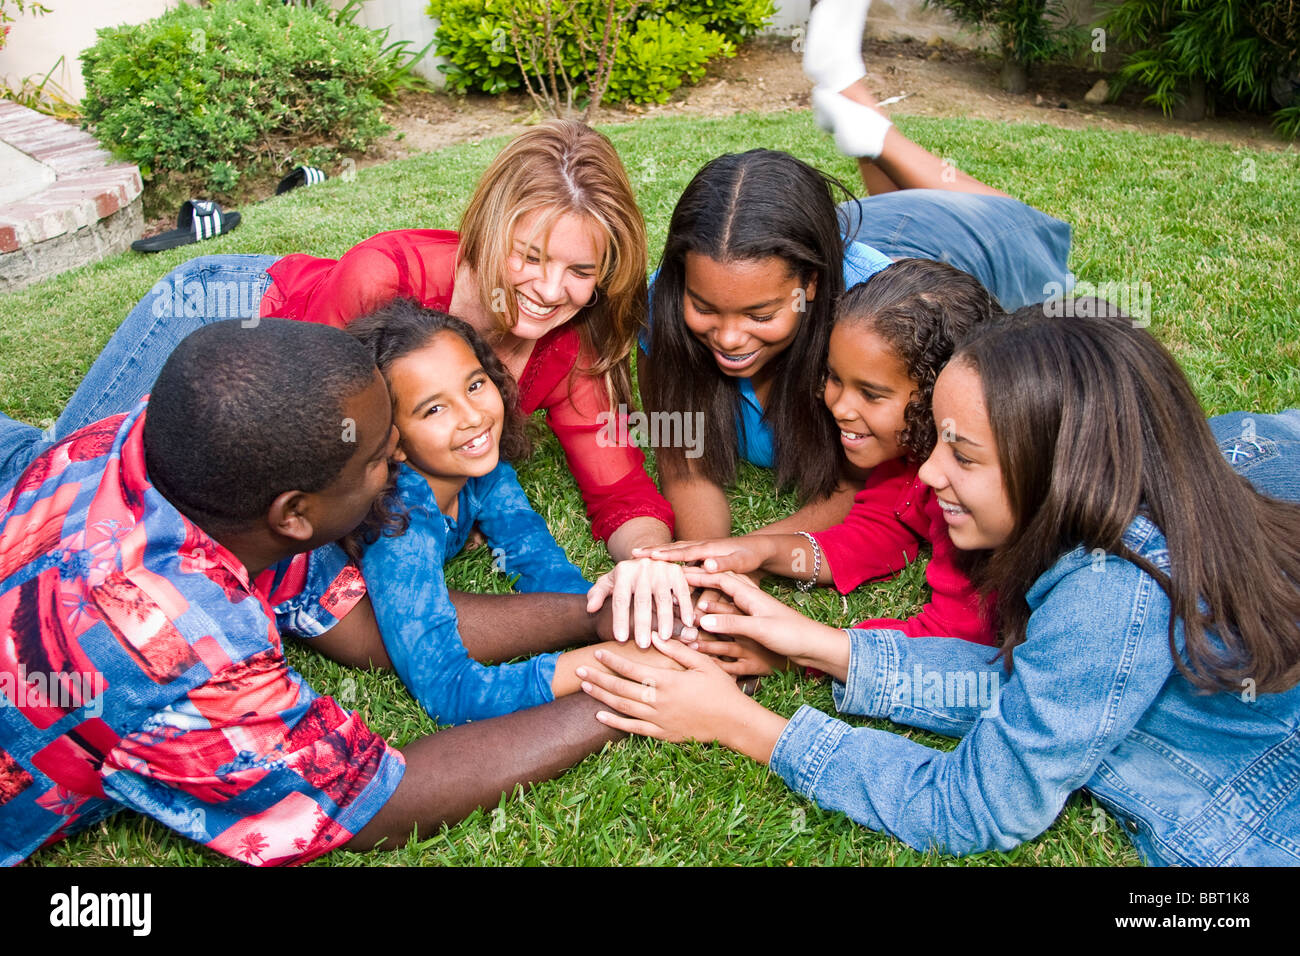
x=638, y=583
x=770, y=623
x=701, y=702
x=605, y=627
x=475, y=540
x=742, y=657
x=742, y=554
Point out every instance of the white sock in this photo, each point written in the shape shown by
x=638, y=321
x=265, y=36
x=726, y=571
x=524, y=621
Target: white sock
x=832, y=52
x=859, y=130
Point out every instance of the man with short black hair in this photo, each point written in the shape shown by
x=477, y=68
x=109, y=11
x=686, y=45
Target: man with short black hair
x=149, y=564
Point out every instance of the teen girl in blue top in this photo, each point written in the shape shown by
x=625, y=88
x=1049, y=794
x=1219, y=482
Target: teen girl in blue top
x=757, y=256
x=1147, y=566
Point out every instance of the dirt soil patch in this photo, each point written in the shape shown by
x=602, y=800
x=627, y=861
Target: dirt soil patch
x=938, y=79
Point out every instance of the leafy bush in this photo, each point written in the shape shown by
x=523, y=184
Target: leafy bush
x=736, y=20
x=667, y=44
x=474, y=36
x=208, y=96
x=1240, y=50
x=1027, y=31
x=660, y=55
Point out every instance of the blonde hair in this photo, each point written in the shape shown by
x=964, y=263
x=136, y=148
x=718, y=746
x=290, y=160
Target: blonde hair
x=557, y=168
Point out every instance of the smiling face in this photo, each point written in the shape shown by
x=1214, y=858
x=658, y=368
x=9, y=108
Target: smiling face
x=554, y=276
x=963, y=469
x=344, y=503
x=867, y=391
x=449, y=414
x=745, y=312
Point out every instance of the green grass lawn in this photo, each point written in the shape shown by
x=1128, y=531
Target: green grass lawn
x=1213, y=229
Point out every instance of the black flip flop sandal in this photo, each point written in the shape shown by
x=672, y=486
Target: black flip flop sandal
x=302, y=176
x=198, y=219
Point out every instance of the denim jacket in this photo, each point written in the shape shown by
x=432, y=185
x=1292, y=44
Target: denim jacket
x=1094, y=701
x=414, y=610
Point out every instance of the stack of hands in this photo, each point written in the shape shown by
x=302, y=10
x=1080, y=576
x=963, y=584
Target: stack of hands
x=717, y=625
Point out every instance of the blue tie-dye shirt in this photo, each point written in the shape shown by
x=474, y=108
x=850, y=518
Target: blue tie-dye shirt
x=417, y=618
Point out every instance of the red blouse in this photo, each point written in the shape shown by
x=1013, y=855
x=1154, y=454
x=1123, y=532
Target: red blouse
x=421, y=264
x=893, y=513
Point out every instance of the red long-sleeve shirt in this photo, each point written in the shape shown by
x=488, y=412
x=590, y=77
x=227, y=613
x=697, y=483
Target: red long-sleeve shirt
x=893, y=513
x=421, y=264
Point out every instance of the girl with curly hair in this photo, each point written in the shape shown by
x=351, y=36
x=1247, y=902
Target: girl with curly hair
x=892, y=336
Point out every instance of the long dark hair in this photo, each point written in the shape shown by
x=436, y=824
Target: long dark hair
x=1095, y=423
x=744, y=207
x=921, y=309
x=399, y=328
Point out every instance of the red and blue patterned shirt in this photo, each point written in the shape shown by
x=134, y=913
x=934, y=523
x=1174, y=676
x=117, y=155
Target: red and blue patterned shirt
x=141, y=668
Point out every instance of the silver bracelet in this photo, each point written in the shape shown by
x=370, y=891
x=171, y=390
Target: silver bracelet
x=806, y=586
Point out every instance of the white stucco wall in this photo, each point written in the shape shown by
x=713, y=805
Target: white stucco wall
x=36, y=43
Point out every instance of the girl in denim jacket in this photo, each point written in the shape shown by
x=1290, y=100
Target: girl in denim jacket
x=1146, y=564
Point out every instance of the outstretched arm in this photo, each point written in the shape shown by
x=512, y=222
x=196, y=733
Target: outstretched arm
x=498, y=627
x=821, y=513
x=610, y=471
x=489, y=628
x=450, y=773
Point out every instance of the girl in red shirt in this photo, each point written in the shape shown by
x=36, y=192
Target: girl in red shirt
x=892, y=336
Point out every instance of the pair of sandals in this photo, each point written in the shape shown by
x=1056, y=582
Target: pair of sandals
x=201, y=219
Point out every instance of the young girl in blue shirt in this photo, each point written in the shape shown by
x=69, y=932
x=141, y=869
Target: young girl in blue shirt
x=1147, y=566
x=455, y=409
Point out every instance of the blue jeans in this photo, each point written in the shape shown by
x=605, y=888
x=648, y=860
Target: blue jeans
x=1263, y=448
x=1019, y=253
x=193, y=294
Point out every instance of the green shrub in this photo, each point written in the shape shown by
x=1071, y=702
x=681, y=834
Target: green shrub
x=1237, y=50
x=1028, y=32
x=209, y=96
x=667, y=44
x=474, y=36
x=659, y=56
x=736, y=20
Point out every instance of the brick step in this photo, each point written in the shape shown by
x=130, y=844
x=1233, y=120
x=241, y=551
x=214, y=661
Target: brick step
x=89, y=187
